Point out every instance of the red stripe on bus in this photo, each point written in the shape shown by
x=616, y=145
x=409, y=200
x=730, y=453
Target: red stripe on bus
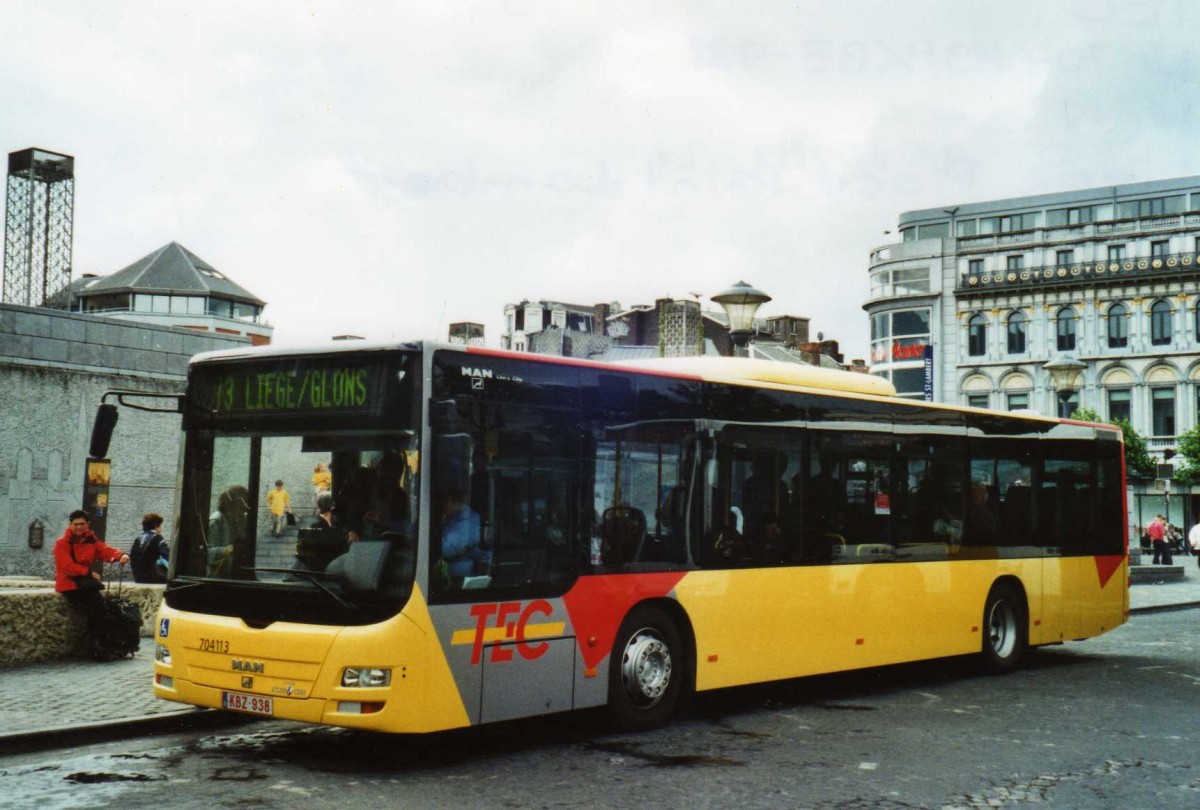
x=597, y=605
x=1107, y=565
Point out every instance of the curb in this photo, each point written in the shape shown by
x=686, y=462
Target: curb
x=162, y=723
x=1163, y=608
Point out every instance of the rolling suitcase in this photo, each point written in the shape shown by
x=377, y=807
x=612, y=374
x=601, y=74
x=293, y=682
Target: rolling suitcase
x=120, y=632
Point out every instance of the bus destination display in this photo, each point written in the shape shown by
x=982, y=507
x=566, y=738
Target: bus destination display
x=294, y=389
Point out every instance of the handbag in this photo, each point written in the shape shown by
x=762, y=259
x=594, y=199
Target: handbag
x=291, y=519
x=87, y=583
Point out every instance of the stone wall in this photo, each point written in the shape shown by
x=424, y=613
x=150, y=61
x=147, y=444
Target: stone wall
x=37, y=624
x=54, y=368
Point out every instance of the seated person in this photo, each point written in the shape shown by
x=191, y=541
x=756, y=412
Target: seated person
x=983, y=526
x=322, y=541
x=730, y=545
x=770, y=547
x=376, y=525
x=462, y=541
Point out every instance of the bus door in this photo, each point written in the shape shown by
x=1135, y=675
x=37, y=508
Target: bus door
x=505, y=544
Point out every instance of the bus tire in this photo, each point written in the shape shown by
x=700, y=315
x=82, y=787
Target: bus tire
x=1005, y=629
x=647, y=670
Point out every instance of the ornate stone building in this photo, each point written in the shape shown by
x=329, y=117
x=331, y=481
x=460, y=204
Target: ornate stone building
x=1110, y=276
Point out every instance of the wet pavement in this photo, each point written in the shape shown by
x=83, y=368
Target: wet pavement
x=75, y=698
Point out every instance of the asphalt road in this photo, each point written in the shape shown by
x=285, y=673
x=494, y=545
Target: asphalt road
x=1110, y=722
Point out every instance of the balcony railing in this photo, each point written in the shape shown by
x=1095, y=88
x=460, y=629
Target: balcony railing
x=1160, y=443
x=1055, y=275
x=1056, y=233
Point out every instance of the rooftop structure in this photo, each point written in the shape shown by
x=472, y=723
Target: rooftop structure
x=174, y=287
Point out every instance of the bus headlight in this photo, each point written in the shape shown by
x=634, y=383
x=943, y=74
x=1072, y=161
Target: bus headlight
x=162, y=654
x=366, y=676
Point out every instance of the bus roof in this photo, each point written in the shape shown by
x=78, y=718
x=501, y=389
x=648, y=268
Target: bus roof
x=744, y=369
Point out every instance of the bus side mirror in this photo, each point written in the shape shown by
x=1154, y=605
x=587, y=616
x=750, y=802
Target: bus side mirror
x=452, y=462
x=102, y=430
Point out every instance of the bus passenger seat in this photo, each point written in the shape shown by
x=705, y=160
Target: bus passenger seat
x=622, y=530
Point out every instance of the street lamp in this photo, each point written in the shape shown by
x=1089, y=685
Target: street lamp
x=1064, y=372
x=740, y=302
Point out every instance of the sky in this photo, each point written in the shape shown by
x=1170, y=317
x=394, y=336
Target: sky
x=386, y=169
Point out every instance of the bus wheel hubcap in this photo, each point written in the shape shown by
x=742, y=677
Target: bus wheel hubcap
x=646, y=668
x=1002, y=629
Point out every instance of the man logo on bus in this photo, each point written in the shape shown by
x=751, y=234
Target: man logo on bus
x=500, y=622
x=477, y=375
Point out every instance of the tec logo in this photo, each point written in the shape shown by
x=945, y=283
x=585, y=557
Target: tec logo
x=501, y=622
x=164, y=627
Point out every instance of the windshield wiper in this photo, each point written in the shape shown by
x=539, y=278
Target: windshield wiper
x=182, y=584
x=312, y=576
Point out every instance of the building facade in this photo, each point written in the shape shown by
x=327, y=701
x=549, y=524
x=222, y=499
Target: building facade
x=1110, y=276
x=671, y=327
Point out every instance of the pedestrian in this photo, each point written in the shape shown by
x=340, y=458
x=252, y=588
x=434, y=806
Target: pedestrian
x=150, y=552
x=280, y=504
x=1194, y=541
x=1158, y=539
x=74, y=578
x=322, y=482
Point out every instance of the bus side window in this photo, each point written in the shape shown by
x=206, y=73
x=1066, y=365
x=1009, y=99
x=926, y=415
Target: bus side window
x=932, y=506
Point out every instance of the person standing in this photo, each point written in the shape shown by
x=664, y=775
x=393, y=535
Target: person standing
x=148, y=549
x=1194, y=541
x=280, y=503
x=322, y=482
x=1158, y=539
x=74, y=578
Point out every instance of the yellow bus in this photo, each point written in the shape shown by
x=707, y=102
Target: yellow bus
x=505, y=535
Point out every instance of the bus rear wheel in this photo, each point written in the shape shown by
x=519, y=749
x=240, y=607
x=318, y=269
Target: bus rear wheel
x=1005, y=630
x=646, y=671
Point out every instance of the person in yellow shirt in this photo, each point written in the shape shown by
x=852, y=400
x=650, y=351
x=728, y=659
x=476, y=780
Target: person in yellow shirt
x=280, y=503
x=322, y=481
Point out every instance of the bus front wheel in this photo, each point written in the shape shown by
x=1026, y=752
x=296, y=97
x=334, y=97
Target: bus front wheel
x=1005, y=630
x=647, y=670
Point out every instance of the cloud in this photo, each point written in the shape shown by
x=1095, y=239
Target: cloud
x=387, y=169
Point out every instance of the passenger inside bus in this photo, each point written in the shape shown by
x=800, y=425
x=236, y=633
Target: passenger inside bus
x=823, y=497
x=462, y=542
x=321, y=542
x=730, y=546
x=227, y=529
x=983, y=526
x=353, y=499
x=392, y=521
x=764, y=497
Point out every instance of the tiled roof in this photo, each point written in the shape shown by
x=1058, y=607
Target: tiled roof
x=171, y=269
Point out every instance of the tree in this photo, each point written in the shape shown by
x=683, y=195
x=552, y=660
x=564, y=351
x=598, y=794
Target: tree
x=1189, y=450
x=1138, y=463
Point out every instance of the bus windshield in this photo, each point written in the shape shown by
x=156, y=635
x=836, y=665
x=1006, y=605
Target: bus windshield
x=298, y=512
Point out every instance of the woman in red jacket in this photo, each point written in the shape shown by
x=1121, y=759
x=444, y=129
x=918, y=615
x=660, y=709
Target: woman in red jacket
x=74, y=578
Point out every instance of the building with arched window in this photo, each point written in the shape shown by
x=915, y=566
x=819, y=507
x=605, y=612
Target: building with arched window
x=1109, y=275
